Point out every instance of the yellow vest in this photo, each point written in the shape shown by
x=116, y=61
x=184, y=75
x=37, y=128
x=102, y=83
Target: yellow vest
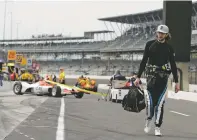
x=26, y=76
x=62, y=76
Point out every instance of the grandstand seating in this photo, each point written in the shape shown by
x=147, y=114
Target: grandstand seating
x=194, y=39
x=56, y=46
x=90, y=67
x=132, y=39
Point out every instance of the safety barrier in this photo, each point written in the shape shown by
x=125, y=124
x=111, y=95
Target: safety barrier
x=7, y=86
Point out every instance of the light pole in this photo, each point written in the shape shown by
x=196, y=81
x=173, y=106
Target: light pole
x=4, y=19
x=11, y=26
x=17, y=24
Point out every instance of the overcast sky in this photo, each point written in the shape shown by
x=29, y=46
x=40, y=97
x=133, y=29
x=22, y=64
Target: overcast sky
x=55, y=17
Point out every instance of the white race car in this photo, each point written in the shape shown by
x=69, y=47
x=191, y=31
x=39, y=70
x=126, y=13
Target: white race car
x=44, y=88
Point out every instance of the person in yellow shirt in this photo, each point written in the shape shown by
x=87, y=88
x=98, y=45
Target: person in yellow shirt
x=22, y=76
x=30, y=77
x=50, y=78
x=62, y=76
x=25, y=75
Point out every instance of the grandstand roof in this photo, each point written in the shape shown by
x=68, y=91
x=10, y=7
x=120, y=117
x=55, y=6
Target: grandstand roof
x=45, y=39
x=101, y=31
x=149, y=16
x=135, y=18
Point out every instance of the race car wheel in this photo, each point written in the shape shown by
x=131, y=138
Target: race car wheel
x=50, y=92
x=79, y=95
x=113, y=100
x=56, y=91
x=17, y=88
x=116, y=99
x=95, y=89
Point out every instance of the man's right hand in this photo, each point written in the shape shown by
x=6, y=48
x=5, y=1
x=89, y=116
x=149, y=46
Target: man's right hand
x=137, y=82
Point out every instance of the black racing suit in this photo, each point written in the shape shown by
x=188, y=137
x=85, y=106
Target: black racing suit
x=159, y=55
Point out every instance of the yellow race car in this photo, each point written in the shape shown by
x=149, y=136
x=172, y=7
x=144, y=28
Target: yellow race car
x=87, y=84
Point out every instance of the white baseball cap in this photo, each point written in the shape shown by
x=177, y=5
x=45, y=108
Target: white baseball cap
x=163, y=29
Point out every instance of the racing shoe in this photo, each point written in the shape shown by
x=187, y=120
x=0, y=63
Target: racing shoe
x=147, y=126
x=157, y=131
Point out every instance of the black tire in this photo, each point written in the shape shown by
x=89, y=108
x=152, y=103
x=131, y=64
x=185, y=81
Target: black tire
x=17, y=88
x=56, y=91
x=95, y=89
x=113, y=100
x=79, y=95
x=50, y=92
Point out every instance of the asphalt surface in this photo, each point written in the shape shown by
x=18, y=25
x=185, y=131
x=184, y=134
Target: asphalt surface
x=37, y=118
x=15, y=109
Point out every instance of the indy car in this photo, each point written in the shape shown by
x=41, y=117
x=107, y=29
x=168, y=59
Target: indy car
x=45, y=88
x=87, y=86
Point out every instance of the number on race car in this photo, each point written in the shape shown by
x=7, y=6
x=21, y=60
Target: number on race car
x=38, y=88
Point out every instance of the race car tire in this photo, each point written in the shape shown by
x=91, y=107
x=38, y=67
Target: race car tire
x=79, y=95
x=50, y=92
x=56, y=91
x=17, y=88
x=95, y=89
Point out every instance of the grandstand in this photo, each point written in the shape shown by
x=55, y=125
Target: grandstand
x=90, y=55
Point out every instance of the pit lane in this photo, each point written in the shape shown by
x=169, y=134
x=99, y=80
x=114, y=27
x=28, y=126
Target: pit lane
x=29, y=117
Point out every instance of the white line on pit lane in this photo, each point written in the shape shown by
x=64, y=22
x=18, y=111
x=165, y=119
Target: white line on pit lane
x=180, y=113
x=60, y=127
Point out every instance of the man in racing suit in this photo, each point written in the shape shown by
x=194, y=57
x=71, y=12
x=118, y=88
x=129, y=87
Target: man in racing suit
x=160, y=57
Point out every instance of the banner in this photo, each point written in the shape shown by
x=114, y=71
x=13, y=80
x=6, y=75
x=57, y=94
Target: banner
x=34, y=65
x=10, y=64
x=24, y=61
x=11, y=55
x=4, y=67
x=29, y=62
x=19, y=58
